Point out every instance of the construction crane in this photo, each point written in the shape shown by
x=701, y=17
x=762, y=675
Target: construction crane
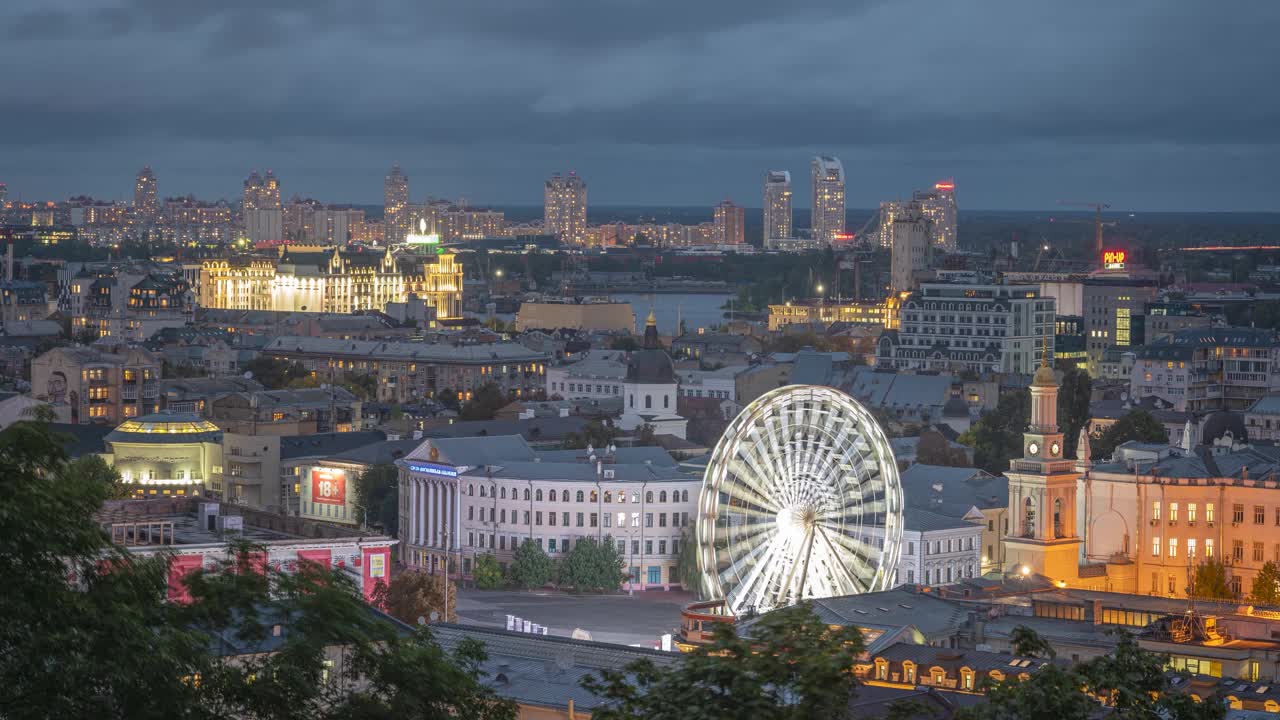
x=1097, y=222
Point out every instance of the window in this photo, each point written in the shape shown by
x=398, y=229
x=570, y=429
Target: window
x=1259, y=514
x=537, y=517
x=551, y=519
x=648, y=497
x=608, y=519
x=635, y=498
x=564, y=517
x=551, y=544
x=1191, y=514
x=471, y=513
x=662, y=496
x=1208, y=547
x=1173, y=584
x=581, y=519
x=635, y=519
x=581, y=496
x=595, y=519
x=648, y=547
x=635, y=547
x=1191, y=549
x=622, y=496
x=911, y=548
x=1259, y=551
x=662, y=519
x=648, y=520
x=1237, y=550
x=526, y=493
x=1155, y=546
x=1173, y=547
x=1155, y=510
x=1173, y=512
x=662, y=547
x=1208, y=513
x=1237, y=513
x=537, y=495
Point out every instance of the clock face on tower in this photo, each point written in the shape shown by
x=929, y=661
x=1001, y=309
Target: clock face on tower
x=1055, y=449
x=1033, y=449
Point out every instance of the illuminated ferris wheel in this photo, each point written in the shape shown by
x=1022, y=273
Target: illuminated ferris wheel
x=801, y=499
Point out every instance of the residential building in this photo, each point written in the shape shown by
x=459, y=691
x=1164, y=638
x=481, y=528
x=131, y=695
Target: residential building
x=128, y=303
x=411, y=371
x=302, y=411
x=146, y=199
x=777, y=206
x=464, y=497
x=936, y=549
x=983, y=328
x=263, y=224
x=599, y=375
x=826, y=176
x=939, y=208
x=966, y=494
x=22, y=300
x=260, y=193
x=1262, y=419
x=1110, y=307
x=1209, y=369
x=395, y=193
x=105, y=384
x=909, y=246
x=1162, y=319
x=565, y=208
x=728, y=223
x=825, y=312
x=333, y=281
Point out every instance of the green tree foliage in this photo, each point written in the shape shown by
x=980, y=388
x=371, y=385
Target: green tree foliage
x=1026, y=643
x=414, y=594
x=792, y=667
x=449, y=399
x=935, y=449
x=1266, y=585
x=626, y=343
x=1137, y=425
x=1212, y=580
x=275, y=374
x=997, y=436
x=362, y=385
x=598, y=434
x=487, y=573
x=1073, y=407
x=89, y=632
x=646, y=436
x=592, y=566
x=93, y=469
x=530, y=566
x=1131, y=681
x=687, y=562
x=378, y=498
x=484, y=403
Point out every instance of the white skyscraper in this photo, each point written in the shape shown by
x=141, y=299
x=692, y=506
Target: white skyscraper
x=827, y=176
x=777, y=205
x=565, y=208
x=940, y=207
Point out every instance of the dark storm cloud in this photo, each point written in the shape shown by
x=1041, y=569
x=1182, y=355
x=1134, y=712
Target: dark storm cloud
x=905, y=91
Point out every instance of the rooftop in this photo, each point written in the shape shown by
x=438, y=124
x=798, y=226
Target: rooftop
x=166, y=428
x=405, y=351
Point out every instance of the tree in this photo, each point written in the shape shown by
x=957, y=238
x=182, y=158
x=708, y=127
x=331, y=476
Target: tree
x=530, y=566
x=1137, y=425
x=378, y=498
x=935, y=449
x=646, y=436
x=487, y=574
x=997, y=436
x=1129, y=680
x=1212, y=580
x=414, y=594
x=275, y=374
x=595, y=433
x=1266, y=585
x=1026, y=643
x=592, y=566
x=687, y=563
x=792, y=666
x=625, y=343
x=1073, y=407
x=449, y=399
x=93, y=469
x=484, y=403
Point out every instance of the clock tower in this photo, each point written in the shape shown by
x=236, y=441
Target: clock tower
x=1042, y=536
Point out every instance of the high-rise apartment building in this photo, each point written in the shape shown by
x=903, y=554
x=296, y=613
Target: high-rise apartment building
x=777, y=205
x=565, y=208
x=146, y=201
x=908, y=246
x=728, y=224
x=4, y=193
x=395, y=193
x=260, y=193
x=827, y=178
x=939, y=207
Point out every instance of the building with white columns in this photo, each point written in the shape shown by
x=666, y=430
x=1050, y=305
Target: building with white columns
x=465, y=497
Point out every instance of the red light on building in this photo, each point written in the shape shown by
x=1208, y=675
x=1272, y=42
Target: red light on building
x=843, y=236
x=947, y=186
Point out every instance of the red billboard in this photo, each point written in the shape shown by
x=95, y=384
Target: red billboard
x=329, y=486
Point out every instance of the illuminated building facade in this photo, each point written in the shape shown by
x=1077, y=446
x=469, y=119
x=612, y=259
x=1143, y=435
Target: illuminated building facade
x=261, y=192
x=728, y=223
x=166, y=454
x=777, y=205
x=464, y=497
x=395, y=194
x=939, y=206
x=146, y=200
x=1111, y=306
x=805, y=312
x=827, y=178
x=333, y=281
x=565, y=208
x=1203, y=370
x=984, y=328
x=99, y=384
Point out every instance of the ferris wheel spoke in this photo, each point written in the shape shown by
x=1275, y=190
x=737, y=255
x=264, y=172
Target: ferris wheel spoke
x=744, y=473
x=837, y=561
x=761, y=574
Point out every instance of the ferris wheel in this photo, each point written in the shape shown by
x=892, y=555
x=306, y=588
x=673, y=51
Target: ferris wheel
x=801, y=499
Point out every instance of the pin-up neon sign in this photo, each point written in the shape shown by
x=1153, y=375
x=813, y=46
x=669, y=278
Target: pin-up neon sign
x=1113, y=259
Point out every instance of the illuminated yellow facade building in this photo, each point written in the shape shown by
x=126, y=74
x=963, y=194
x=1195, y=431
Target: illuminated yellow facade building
x=812, y=311
x=333, y=281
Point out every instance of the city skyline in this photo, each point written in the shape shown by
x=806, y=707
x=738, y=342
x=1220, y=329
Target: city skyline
x=1096, y=106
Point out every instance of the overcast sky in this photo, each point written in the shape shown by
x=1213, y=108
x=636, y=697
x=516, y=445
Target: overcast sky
x=1153, y=104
